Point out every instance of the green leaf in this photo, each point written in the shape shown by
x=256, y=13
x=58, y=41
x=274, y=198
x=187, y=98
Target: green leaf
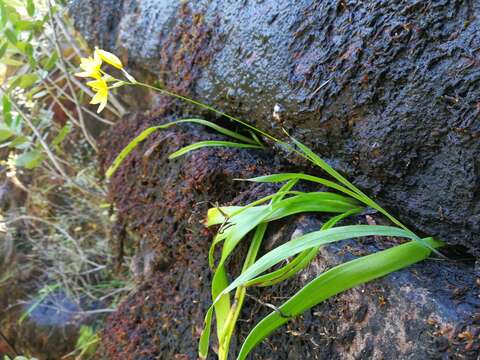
x=30, y=7
x=51, y=61
x=128, y=149
x=276, y=178
x=335, y=281
x=146, y=133
x=302, y=260
x=211, y=143
x=12, y=13
x=230, y=320
x=11, y=35
x=17, y=124
x=26, y=25
x=7, y=110
x=317, y=160
x=19, y=142
x=215, y=127
x=314, y=239
x=204, y=342
x=3, y=49
x=241, y=224
x=30, y=159
x=3, y=14
x=11, y=62
x=27, y=80
x=308, y=241
x=30, y=55
x=62, y=134
x=5, y=133
x=21, y=45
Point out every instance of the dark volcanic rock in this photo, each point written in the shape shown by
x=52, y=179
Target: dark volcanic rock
x=386, y=91
x=429, y=311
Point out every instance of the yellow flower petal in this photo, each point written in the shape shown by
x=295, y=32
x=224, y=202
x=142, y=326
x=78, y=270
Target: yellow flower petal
x=109, y=58
x=91, y=67
x=97, y=84
x=100, y=86
x=102, y=106
x=99, y=97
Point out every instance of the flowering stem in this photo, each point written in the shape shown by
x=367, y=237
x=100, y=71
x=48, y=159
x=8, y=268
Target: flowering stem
x=367, y=200
x=210, y=108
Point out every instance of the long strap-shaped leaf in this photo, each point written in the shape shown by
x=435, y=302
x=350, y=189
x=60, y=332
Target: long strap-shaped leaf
x=314, y=239
x=211, y=143
x=301, y=261
x=292, y=248
x=147, y=132
x=357, y=194
x=226, y=315
x=242, y=223
x=335, y=281
x=317, y=160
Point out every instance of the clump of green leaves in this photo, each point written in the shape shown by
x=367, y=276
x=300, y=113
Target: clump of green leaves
x=237, y=223
x=87, y=343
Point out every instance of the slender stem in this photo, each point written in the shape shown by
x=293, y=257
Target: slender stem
x=210, y=108
x=64, y=68
x=230, y=322
x=364, y=197
x=50, y=154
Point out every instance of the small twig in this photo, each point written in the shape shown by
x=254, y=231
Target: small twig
x=64, y=68
x=50, y=154
x=270, y=306
x=61, y=230
x=66, y=33
x=320, y=87
x=68, y=97
x=9, y=346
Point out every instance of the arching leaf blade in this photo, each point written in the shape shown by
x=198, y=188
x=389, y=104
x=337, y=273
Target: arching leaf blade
x=314, y=239
x=211, y=143
x=335, y=281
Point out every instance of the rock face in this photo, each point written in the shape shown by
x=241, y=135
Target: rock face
x=386, y=91
x=428, y=311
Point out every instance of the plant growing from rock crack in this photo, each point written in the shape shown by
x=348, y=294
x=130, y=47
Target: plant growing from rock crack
x=237, y=222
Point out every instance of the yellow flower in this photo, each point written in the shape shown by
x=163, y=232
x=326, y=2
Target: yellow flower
x=109, y=58
x=100, y=86
x=91, y=67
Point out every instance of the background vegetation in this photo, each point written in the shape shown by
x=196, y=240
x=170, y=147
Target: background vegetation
x=55, y=224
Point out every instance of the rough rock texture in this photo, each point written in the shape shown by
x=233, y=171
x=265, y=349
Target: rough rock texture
x=429, y=311
x=386, y=91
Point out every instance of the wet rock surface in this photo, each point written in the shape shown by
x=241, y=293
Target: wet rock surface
x=386, y=91
x=50, y=330
x=429, y=311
